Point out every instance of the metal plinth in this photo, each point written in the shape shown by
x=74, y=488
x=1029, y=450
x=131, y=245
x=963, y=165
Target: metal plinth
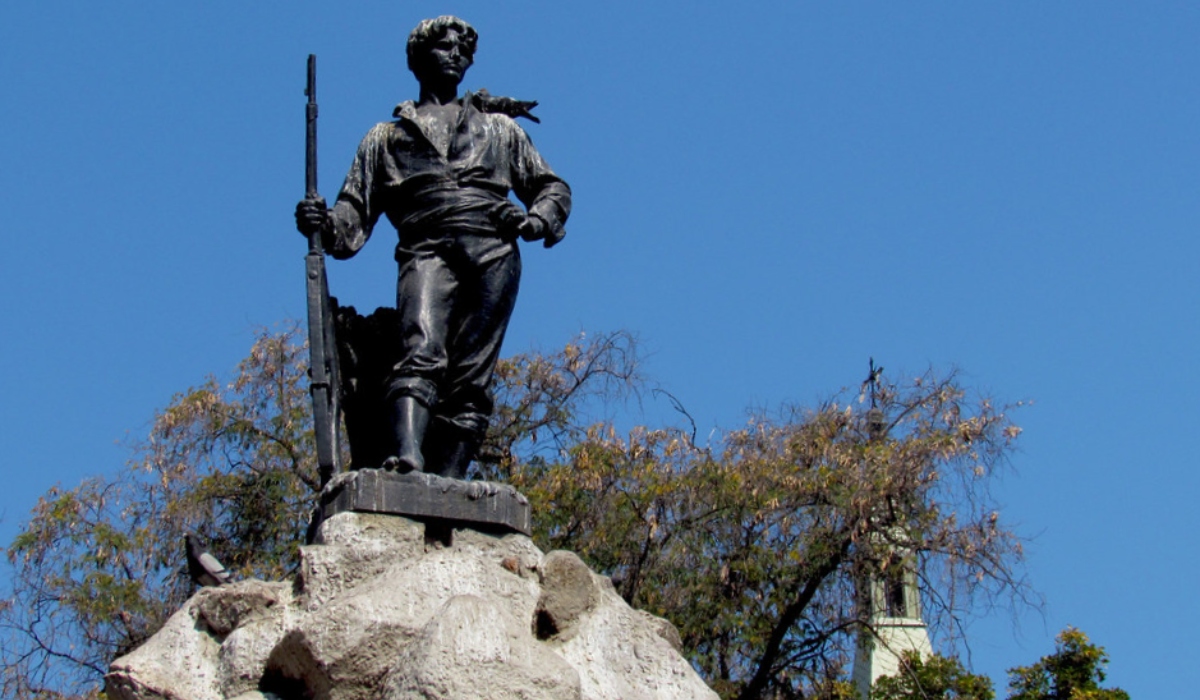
x=480, y=505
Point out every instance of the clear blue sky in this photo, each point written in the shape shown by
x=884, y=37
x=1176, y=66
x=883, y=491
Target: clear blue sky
x=768, y=193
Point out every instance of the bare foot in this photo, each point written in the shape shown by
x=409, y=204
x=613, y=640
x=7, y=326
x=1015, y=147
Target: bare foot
x=394, y=464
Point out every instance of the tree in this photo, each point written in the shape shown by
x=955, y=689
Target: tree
x=753, y=545
x=934, y=678
x=99, y=567
x=1073, y=672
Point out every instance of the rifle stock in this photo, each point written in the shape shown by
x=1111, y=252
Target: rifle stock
x=322, y=343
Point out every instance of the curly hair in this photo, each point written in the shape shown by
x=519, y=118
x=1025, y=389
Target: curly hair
x=430, y=30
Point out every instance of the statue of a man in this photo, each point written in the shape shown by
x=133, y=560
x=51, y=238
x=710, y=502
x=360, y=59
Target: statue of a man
x=441, y=173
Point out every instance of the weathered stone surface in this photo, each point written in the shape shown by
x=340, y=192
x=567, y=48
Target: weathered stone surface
x=664, y=628
x=621, y=654
x=349, y=549
x=242, y=661
x=255, y=695
x=223, y=608
x=178, y=663
x=348, y=644
x=514, y=553
x=384, y=609
x=480, y=504
x=473, y=648
x=568, y=592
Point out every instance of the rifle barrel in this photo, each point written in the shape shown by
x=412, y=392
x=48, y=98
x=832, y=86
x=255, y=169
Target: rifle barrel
x=310, y=113
x=323, y=364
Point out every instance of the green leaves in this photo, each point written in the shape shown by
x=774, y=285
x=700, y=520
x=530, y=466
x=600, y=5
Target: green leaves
x=754, y=545
x=99, y=567
x=1073, y=672
x=934, y=678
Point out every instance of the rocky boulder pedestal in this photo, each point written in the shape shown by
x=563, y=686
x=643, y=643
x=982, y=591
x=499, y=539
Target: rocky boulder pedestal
x=387, y=607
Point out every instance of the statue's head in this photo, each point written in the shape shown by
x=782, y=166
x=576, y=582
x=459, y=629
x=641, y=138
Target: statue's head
x=441, y=45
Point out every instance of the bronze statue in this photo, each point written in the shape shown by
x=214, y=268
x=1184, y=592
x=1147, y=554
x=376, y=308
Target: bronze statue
x=441, y=172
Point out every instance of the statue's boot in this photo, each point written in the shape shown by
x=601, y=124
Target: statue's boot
x=410, y=420
x=452, y=454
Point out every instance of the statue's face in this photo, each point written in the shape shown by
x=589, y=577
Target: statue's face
x=447, y=59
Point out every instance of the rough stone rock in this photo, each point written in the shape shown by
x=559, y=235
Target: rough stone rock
x=568, y=592
x=625, y=654
x=473, y=648
x=664, y=628
x=385, y=607
x=178, y=663
x=242, y=661
x=350, y=549
x=224, y=608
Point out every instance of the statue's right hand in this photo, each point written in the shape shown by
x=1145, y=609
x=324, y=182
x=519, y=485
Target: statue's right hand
x=312, y=216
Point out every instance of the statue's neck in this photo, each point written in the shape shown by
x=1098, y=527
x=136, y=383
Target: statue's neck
x=438, y=94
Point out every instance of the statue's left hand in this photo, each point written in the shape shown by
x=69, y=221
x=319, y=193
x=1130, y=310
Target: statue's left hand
x=511, y=222
x=553, y=236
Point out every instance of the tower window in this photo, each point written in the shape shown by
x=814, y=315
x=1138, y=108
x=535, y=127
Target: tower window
x=894, y=596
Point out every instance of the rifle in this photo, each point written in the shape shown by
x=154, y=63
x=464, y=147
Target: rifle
x=322, y=343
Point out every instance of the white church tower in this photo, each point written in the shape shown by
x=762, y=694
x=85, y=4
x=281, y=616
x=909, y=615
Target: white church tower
x=895, y=624
x=891, y=597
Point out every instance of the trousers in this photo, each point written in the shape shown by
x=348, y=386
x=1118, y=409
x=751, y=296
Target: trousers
x=455, y=294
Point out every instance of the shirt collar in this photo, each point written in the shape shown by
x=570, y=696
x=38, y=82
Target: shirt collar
x=408, y=108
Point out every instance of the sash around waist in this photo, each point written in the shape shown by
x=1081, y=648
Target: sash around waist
x=431, y=203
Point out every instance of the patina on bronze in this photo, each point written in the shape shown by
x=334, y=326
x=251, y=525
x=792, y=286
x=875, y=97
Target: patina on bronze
x=416, y=378
x=322, y=345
